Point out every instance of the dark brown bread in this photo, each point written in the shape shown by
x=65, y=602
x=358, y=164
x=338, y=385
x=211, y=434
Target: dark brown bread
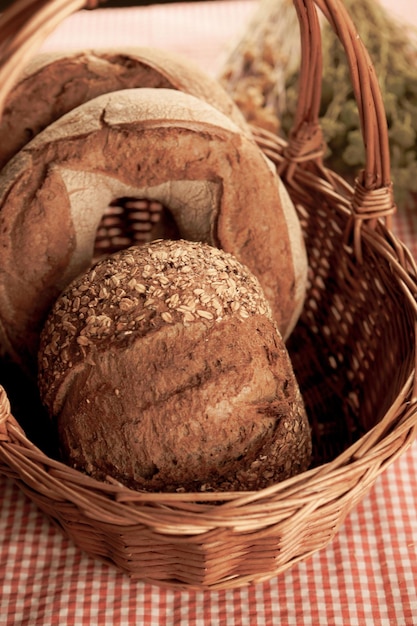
x=163, y=369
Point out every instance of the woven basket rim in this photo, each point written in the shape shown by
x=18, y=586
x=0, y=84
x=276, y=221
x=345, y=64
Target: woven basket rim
x=118, y=504
x=365, y=447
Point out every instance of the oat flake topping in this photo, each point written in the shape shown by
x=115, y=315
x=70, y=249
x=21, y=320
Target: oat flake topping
x=139, y=289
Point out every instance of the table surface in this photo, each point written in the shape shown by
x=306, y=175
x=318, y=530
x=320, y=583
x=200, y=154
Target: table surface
x=366, y=576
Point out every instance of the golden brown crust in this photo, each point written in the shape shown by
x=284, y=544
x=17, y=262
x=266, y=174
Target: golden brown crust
x=175, y=377
x=139, y=291
x=54, y=83
x=153, y=143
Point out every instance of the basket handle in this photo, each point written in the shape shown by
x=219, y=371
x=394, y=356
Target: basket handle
x=25, y=25
x=373, y=190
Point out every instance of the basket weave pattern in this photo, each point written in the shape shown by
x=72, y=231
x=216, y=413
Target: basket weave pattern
x=353, y=352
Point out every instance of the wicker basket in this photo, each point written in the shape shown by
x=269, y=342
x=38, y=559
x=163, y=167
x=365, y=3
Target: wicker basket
x=353, y=352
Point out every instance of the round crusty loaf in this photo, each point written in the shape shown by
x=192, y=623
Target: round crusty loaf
x=54, y=83
x=163, y=369
x=157, y=144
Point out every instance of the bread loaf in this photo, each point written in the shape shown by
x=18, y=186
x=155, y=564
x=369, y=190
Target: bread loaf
x=54, y=83
x=158, y=144
x=163, y=369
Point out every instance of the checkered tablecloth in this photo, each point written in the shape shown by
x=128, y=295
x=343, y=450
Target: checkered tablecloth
x=367, y=576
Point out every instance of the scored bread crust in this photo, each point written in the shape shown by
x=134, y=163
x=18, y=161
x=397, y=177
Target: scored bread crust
x=158, y=144
x=162, y=367
x=53, y=83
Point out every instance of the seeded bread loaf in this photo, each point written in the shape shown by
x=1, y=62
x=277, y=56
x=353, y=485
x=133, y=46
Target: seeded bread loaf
x=163, y=368
x=54, y=83
x=158, y=144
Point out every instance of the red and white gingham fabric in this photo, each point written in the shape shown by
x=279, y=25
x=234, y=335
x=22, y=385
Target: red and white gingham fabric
x=367, y=576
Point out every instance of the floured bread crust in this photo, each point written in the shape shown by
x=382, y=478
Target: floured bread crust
x=54, y=83
x=146, y=143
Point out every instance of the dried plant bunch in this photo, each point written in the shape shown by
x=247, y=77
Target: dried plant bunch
x=260, y=60
x=53, y=83
x=262, y=75
x=158, y=144
x=163, y=368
